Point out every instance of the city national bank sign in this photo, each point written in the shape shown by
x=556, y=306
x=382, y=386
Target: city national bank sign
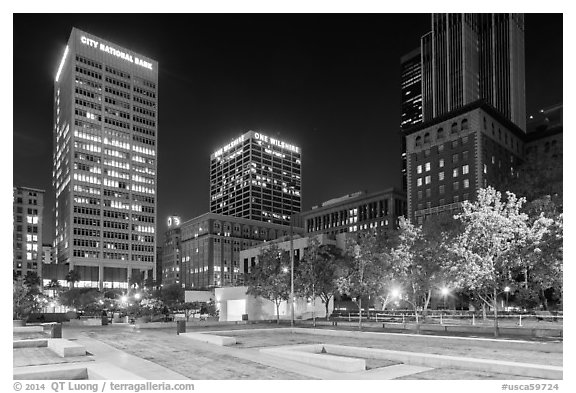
x=113, y=51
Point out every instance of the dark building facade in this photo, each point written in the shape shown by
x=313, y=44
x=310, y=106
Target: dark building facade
x=204, y=252
x=28, y=208
x=467, y=57
x=104, y=161
x=256, y=177
x=454, y=155
x=356, y=212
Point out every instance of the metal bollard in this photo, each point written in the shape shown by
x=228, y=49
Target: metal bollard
x=520, y=320
x=180, y=327
x=56, y=331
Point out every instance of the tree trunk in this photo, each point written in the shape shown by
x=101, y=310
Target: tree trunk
x=359, y=313
x=495, y=306
x=484, y=316
x=427, y=302
x=277, y=313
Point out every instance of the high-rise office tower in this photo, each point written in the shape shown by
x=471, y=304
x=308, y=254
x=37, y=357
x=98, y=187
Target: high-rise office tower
x=467, y=57
x=258, y=177
x=104, y=161
x=27, y=241
x=411, y=84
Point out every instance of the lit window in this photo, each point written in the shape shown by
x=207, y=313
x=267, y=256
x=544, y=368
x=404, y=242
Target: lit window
x=419, y=169
x=441, y=176
x=493, y=160
x=465, y=169
x=441, y=163
x=428, y=179
x=419, y=182
x=466, y=183
x=455, y=172
x=485, y=168
x=427, y=166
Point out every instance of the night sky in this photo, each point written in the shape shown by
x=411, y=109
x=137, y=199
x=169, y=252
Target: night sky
x=327, y=83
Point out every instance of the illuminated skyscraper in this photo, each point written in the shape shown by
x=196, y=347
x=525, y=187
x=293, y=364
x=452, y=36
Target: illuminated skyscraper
x=104, y=161
x=258, y=177
x=411, y=85
x=467, y=57
x=27, y=234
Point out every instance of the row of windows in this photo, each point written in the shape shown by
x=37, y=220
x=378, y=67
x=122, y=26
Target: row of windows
x=88, y=62
x=143, y=130
x=116, y=225
x=88, y=82
x=144, y=111
x=117, y=72
x=442, y=189
x=88, y=168
x=455, y=173
x=114, y=101
x=116, y=194
x=141, y=139
x=87, y=157
x=116, y=112
x=142, y=248
x=86, y=254
x=144, y=101
x=86, y=114
x=143, y=258
x=118, y=83
x=116, y=123
x=86, y=200
x=117, y=164
x=86, y=221
x=86, y=243
x=116, y=246
x=137, y=217
x=144, y=92
x=89, y=73
x=144, y=121
x=117, y=92
x=88, y=104
x=87, y=210
x=86, y=189
x=87, y=125
x=115, y=235
x=87, y=93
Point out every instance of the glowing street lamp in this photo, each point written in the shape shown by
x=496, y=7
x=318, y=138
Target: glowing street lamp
x=395, y=293
x=445, y=292
x=507, y=290
x=137, y=296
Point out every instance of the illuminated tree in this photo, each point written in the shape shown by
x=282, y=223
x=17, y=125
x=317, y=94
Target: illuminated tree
x=270, y=278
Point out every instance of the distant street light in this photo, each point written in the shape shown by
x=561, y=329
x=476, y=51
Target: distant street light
x=445, y=292
x=507, y=290
x=137, y=296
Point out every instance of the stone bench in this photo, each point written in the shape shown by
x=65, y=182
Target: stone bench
x=27, y=329
x=36, y=343
x=65, y=348
x=311, y=354
x=53, y=372
x=209, y=338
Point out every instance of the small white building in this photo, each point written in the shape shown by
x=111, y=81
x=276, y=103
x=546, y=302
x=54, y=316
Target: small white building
x=234, y=303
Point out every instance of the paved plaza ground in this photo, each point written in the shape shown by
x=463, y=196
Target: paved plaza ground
x=162, y=351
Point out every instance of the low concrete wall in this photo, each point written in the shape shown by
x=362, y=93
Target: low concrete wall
x=441, y=361
x=65, y=348
x=310, y=354
x=27, y=329
x=209, y=338
x=60, y=373
x=35, y=343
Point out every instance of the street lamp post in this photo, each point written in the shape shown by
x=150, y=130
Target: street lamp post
x=507, y=290
x=291, y=273
x=444, y=294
